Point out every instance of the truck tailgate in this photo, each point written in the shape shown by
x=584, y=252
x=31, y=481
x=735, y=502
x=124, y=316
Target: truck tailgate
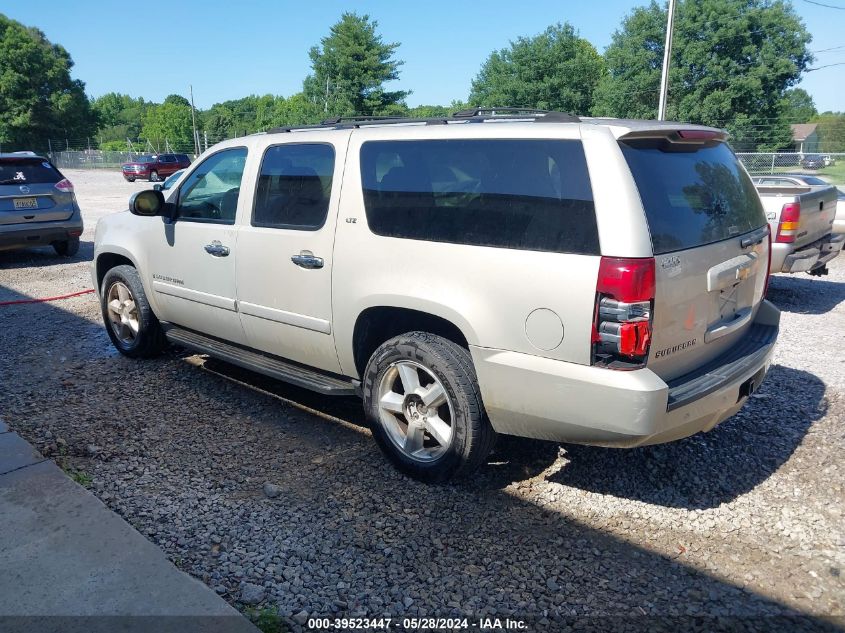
x=818, y=209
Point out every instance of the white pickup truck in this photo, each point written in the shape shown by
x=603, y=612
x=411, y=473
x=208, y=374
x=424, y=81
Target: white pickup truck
x=801, y=223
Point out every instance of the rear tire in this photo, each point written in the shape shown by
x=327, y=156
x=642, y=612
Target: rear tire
x=131, y=325
x=131, y=179
x=430, y=438
x=67, y=248
x=153, y=176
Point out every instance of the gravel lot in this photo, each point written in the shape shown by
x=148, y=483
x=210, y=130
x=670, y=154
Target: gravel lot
x=745, y=521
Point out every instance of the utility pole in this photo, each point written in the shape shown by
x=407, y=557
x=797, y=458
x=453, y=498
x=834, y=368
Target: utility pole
x=205, y=136
x=194, y=123
x=667, y=55
x=327, y=96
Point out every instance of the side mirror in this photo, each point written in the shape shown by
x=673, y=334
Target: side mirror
x=158, y=187
x=146, y=203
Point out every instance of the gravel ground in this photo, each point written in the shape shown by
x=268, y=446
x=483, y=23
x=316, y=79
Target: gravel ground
x=278, y=498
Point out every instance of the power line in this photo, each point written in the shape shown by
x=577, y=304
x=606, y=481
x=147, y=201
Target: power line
x=827, y=6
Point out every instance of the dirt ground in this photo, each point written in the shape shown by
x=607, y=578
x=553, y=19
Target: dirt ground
x=743, y=523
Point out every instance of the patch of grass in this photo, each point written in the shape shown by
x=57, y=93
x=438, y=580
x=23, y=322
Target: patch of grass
x=80, y=477
x=267, y=620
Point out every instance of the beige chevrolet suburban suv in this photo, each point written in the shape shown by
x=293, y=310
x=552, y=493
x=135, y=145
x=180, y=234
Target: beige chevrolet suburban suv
x=594, y=281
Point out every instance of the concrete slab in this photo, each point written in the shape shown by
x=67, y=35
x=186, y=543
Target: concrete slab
x=70, y=564
x=15, y=452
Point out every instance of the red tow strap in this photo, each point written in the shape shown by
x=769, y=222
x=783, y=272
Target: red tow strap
x=58, y=298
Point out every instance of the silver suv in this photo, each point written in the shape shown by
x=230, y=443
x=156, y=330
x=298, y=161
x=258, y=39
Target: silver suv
x=578, y=280
x=37, y=205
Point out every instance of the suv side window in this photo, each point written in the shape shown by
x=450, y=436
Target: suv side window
x=294, y=186
x=167, y=158
x=520, y=194
x=210, y=193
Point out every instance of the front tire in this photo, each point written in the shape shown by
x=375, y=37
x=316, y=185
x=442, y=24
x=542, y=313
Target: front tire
x=153, y=176
x=422, y=399
x=67, y=248
x=131, y=325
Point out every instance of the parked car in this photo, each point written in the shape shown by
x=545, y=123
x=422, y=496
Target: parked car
x=801, y=219
x=532, y=274
x=170, y=181
x=155, y=167
x=37, y=205
x=813, y=161
x=790, y=180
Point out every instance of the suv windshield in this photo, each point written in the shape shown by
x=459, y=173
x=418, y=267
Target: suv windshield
x=27, y=171
x=692, y=198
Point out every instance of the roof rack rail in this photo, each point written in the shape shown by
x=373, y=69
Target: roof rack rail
x=475, y=115
x=540, y=115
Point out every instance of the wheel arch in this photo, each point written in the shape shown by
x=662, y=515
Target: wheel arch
x=108, y=260
x=377, y=324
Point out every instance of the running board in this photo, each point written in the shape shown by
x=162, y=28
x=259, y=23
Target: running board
x=261, y=363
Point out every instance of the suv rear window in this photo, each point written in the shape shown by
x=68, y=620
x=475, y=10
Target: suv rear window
x=27, y=171
x=692, y=198
x=520, y=194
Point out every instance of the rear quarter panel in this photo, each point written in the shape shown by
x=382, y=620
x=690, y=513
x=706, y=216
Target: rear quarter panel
x=486, y=292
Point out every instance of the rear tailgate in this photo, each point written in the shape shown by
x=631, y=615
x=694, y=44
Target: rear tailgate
x=710, y=243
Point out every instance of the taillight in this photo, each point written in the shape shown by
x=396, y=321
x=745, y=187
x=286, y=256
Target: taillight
x=624, y=303
x=768, y=263
x=65, y=186
x=790, y=218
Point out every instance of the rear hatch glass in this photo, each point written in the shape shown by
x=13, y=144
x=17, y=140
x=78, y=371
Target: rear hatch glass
x=709, y=239
x=27, y=171
x=692, y=198
x=28, y=192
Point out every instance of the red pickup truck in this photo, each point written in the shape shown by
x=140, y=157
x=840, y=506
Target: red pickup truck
x=154, y=167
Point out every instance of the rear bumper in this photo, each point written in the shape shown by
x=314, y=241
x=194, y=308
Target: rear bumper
x=839, y=226
x=547, y=399
x=40, y=233
x=787, y=260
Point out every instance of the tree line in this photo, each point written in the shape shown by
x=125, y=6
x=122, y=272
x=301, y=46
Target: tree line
x=734, y=64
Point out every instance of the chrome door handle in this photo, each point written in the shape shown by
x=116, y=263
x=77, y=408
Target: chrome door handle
x=217, y=249
x=307, y=259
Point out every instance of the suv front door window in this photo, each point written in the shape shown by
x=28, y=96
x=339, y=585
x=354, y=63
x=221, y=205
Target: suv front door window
x=211, y=191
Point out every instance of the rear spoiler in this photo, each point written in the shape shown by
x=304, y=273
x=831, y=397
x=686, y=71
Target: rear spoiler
x=678, y=134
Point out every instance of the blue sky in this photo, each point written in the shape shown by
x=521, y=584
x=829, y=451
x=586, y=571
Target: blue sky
x=231, y=49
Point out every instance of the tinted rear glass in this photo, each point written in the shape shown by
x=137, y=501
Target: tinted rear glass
x=27, y=171
x=520, y=194
x=692, y=198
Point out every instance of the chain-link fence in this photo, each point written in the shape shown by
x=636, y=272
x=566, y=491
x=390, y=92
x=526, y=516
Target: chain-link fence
x=80, y=154
x=828, y=166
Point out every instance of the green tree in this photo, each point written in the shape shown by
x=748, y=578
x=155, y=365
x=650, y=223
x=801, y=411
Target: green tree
x=732, y=63
x=38, y=98
x=831, y=131
x=555, y=70
x=119, y=117
x=798, y=106
x=177, y=100
x=168, y=123
x=350, y=68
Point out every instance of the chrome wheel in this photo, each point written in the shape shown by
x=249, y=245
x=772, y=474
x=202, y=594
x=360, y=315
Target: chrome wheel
x=415, y=411
x=123, y=313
